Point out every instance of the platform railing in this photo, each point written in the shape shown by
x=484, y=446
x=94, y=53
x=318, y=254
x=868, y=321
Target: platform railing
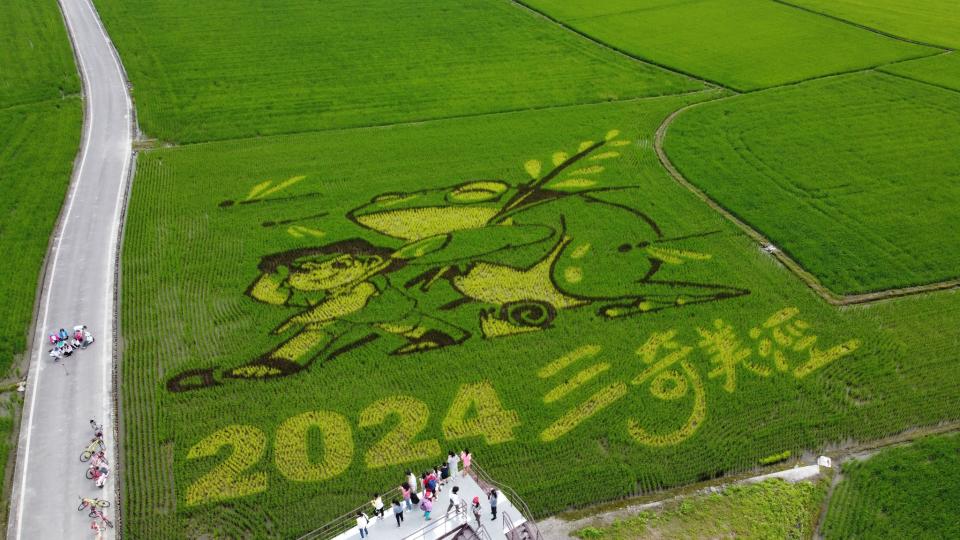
x=443, y=521
x=345, y=522
x=482, y=477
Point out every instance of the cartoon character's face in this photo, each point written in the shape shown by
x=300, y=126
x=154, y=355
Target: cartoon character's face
x=417, y=215
x=313, y=274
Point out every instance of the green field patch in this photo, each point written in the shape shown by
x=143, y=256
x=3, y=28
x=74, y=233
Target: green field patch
x=942, y=70
x=855, y=177
x=215, y=70
x=902, y=492
x=743, y=44
x=928, y=21
x=625, y=337
x=36, y=63
x=37, y=145
x=771, y=509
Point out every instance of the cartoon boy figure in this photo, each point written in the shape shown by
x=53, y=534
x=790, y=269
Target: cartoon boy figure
x=348, y=301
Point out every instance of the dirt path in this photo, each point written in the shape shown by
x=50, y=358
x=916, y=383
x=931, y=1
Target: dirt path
x=765, y=243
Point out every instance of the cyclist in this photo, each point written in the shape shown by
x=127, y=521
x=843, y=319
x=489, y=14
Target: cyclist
x=101, y=478
x=97, y=429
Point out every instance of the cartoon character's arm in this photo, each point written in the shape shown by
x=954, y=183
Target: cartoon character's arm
x=269, y=288
x=332, y=308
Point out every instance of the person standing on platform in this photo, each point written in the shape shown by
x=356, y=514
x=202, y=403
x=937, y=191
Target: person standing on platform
x=398, y=512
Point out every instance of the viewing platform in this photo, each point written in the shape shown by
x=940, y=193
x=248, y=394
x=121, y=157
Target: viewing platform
x=513, y=521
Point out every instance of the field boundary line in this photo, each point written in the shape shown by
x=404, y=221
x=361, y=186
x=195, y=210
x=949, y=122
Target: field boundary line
x=23, y=104
x=839, y=455
x=862, y=26
x=783, y=257
x=855, y=71
x=918, y=81
x=622, y=52
x=163, y=144
x=817, y=532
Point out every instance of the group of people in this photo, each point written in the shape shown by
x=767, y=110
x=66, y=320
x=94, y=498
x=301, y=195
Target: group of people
x=64, y=343
x=431, y=483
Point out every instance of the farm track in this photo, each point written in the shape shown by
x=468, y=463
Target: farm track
x=784, y=258
x=78, y=286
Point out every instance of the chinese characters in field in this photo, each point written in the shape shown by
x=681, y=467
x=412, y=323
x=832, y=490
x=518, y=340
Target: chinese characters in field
x=670, y=370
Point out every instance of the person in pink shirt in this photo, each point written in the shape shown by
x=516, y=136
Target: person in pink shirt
x=405, y=491
x=427, y=506
x=466, y=457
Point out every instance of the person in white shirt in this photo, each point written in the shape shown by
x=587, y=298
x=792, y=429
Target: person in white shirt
x=456, y=501
x=377, y=503
x=362, y=522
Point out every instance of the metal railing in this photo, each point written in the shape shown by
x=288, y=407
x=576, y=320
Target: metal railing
x=440, y=522
x=482, y=532
x=345, y=522
x=507, y=522
x=483, y=477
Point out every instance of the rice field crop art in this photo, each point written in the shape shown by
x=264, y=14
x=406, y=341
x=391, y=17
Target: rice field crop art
x=307, y=317
x=524, y=253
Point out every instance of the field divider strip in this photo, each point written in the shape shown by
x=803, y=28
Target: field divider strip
x=918, y=81
x=861, y=26
x=622, y=52
x=855, y=450
x=784, y=258
x=25, y=104
x=164, y=145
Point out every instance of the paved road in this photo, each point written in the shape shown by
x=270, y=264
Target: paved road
x=62, y=398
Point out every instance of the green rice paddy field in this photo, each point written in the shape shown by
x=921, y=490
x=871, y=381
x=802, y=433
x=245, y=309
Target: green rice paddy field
x=941, y=70
x=858, y=177
x=902, y=492
x=40, y=117
x=389, y=238
x=928, y=21
x=301, y=65
x=40, y=122
x=743, y=44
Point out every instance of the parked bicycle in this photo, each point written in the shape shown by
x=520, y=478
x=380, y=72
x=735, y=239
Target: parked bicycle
x=96, y=444
x=97, y=513
x=93, y=504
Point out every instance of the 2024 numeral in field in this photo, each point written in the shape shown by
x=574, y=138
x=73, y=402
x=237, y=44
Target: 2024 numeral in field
x=476, y=411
